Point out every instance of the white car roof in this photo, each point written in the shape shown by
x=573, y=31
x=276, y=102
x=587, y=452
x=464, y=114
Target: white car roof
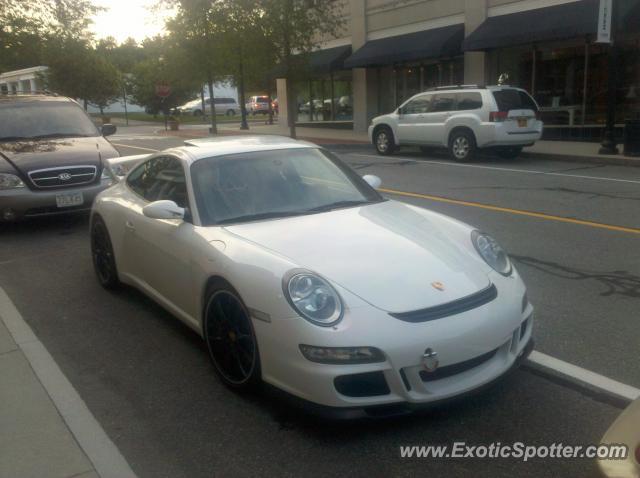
x=197, y=149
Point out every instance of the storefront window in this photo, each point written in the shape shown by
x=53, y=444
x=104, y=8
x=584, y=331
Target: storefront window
x=415, y=78
x=328, y=98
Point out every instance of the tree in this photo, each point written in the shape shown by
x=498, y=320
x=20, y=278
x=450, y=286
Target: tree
x=165, y=65
x=295, y=28
x=80, y=72
x=196, y=32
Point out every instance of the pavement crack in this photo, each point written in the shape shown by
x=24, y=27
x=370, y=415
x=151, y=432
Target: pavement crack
x=615, y=282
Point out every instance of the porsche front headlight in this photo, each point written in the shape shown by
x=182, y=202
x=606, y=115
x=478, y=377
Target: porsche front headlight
x=491, y=252
x=313, y=298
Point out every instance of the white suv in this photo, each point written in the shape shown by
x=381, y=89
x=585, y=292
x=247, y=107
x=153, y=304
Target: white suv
x=462, y=119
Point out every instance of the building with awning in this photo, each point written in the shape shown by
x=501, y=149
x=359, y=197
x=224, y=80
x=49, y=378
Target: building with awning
x=392, y=50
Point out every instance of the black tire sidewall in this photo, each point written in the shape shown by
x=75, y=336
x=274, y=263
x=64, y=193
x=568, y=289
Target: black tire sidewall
x=112, y=282
x=472, y=146
x=389, y=134
x=255, y=378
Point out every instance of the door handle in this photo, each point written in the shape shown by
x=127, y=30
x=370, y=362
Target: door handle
x=129, y=225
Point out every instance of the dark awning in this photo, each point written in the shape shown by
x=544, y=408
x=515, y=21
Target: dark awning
x=317, y=62
x=331, y=59
x=569, y=20
x=439, y=42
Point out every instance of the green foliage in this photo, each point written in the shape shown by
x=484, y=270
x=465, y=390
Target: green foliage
x=80, y=72
x=165, y=64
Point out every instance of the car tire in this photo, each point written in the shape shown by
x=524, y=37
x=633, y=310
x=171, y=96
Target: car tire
x=462, y=145
x=383, y=141
x=230, y=113
x=510, y=152
x=230, y=337
x=104, y=261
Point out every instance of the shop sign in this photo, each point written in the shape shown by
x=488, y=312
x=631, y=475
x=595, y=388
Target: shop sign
x=604, y=21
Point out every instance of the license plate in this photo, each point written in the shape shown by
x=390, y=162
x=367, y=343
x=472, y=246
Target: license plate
x=522, y=122
x=69, y=199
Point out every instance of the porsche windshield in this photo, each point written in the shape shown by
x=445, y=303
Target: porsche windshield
x=271, y=184
x=21, y=120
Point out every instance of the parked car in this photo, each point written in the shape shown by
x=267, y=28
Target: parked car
x=258, y=104
x=274, y=105
x=223, y=106
x=625, y=431
x=463, y=119
x=269, y=248
x=52, y=157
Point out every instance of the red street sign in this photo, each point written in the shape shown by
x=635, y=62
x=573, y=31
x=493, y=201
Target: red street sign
x=163, y=90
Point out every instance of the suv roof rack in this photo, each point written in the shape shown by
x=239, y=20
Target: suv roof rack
x=457, y=87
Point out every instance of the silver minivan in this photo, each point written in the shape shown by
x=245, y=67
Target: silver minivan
x=223, y=106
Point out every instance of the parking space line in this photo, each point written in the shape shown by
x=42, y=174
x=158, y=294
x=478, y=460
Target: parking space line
x=96, y=444
x=582, y=377
x=520, y=212
x=495, y=168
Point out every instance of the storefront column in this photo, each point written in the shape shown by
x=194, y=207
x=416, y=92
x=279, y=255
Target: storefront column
x=364, y=100
x=283, y=111
x=474, y=62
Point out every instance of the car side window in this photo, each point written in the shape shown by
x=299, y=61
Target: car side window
x=443, y=102
x=417, y=106
x=469, y=101
x=160, y=178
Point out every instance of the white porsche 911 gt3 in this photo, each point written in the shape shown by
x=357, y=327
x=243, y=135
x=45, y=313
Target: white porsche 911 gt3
x=298, y=273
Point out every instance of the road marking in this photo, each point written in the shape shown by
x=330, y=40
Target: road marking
x=495, y=168
x=538, y=215
x=135, y=147
x=101, y=451
x=582, y=376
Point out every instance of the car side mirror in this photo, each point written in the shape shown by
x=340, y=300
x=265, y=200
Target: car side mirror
x=400, y=112
x=373, y=181
x=108, y=129
x=164, y=209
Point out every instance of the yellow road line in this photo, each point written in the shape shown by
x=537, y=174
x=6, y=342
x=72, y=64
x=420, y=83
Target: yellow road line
x=539, y=215
x=135, y=147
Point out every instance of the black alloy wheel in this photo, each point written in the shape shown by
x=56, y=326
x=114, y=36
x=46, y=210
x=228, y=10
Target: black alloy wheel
x=104, y=262
x=231, y=340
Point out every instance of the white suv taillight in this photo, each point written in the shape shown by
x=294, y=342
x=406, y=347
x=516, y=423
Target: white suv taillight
x=498, y=116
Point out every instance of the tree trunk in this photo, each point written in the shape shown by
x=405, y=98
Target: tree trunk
x=204, y=106
x=214, y=127
x=101, y=110
x=269, y=92
x=243, y=109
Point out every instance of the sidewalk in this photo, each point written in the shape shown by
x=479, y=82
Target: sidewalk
x=552, y=150
x=38, y=409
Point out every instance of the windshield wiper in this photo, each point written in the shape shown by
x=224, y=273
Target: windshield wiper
x=44, y=136
x=262, y=215
x=59, y=135
x=338, y=205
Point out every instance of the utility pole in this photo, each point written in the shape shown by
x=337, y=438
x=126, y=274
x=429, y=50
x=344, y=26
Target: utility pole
x=607, y=23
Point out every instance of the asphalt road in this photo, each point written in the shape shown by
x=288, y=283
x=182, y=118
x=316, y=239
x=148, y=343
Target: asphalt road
x=148, y=381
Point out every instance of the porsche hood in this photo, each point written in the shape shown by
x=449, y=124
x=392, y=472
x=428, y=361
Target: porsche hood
x=394, y=256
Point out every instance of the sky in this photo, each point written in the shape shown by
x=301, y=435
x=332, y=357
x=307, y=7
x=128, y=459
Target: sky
x=127, y=18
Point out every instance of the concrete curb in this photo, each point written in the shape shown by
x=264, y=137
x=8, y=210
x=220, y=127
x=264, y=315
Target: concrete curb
x=89, y=434
x=584, y=381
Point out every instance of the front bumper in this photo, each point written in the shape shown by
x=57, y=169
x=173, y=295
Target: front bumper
x=474, y=348
x=22, y=203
